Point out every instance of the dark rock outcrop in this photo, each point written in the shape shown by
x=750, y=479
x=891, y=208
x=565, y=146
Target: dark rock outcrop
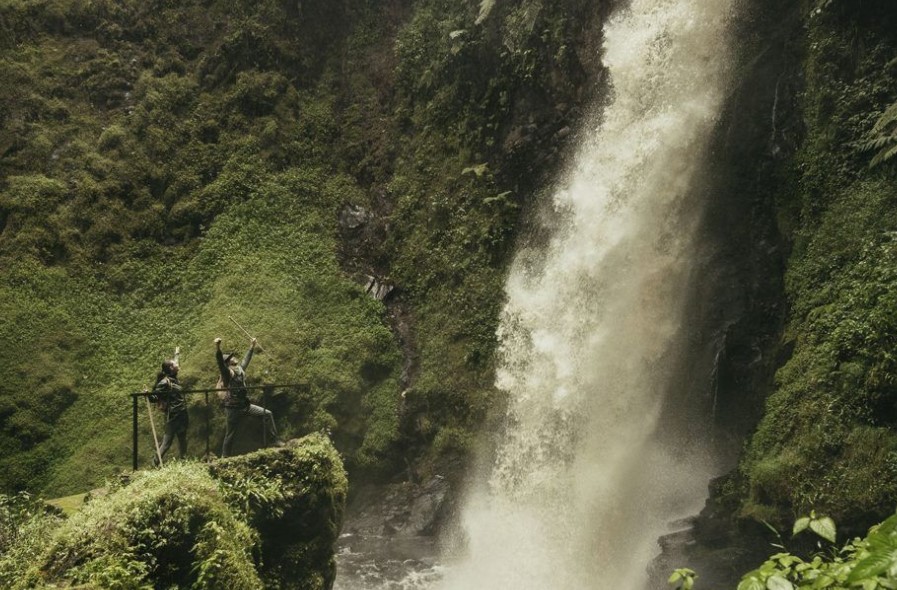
x=400, y=510
x=716, y=545
x=743, y=285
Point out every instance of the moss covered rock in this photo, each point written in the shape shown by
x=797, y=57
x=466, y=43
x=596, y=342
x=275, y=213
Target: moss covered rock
x=294, y=498
x=268, y=519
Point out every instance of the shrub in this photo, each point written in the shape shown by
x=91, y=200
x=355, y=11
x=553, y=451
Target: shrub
x=144, y=534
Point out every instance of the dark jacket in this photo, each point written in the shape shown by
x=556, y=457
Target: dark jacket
x=236, y=383
x=171, y=399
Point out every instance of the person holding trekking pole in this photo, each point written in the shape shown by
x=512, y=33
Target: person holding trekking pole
x=168, y=395
x=236, y=402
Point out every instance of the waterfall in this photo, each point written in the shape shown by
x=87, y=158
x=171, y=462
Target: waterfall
x=596, y=460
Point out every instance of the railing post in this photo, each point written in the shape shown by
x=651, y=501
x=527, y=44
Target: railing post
x=134, y=443
x=208, y=425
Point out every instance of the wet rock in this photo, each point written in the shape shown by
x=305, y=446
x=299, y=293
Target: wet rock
x=354, y=217
x=378, y=289
x=714, y=543
x=400, y=510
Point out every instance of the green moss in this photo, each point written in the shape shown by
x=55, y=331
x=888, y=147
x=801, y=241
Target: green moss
x=155, y=530
x=295, y=499
x=268, y=519
x=825, y=441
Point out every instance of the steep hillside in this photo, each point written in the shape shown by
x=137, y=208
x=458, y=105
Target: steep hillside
x=827, y=439
x=165, y=166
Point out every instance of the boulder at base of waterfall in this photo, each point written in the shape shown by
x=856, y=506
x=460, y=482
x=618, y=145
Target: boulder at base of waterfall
x=300, y=520
x=401, y=510
x=717, y=545
x=267, y=519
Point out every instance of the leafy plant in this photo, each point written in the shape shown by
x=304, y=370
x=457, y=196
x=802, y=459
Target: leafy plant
x=485, y=8
x=868, y=563
x=682, y=578
x=882, y=139
x=821, y=525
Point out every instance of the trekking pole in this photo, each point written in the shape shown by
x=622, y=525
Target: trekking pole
x=134, y=435
x=258, y=346
x=264, y=418
x=149, y=409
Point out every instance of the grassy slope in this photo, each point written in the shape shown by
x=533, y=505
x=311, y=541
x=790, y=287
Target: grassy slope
x=166, y=165
x=172, y=208
x=827, y=440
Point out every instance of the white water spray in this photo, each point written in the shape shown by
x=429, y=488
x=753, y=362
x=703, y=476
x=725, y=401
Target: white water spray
x=592, y=337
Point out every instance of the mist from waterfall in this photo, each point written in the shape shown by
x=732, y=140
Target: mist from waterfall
x=595, y=461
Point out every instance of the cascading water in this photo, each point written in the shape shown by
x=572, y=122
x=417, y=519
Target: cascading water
x=595, y=461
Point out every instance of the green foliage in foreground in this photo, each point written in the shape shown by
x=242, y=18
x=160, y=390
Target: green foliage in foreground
x=267, y=519
x=866, y=563
x=26, y=524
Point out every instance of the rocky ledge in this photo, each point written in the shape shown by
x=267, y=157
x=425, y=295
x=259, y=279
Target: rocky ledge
x=262, y=520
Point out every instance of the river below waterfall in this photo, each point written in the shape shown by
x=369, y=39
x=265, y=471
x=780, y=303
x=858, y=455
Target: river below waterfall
x=384, y=563
x=367, y=562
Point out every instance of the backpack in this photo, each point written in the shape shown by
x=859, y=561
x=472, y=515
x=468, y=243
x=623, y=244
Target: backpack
x=160, y=396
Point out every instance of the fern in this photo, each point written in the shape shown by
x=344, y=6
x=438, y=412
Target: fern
x=883, y=137
x=485, y=8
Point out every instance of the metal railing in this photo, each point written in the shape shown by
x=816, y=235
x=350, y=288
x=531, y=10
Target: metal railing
x=266, y=390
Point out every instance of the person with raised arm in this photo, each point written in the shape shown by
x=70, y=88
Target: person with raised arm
x=169, y=397
x=236, y=400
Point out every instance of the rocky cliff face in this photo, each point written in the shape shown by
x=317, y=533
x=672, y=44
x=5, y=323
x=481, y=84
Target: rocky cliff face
x=802, y=221
x=744, y=261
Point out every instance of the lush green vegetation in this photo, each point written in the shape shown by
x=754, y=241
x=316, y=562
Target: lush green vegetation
x=167, y=165
x=164, y=166
x=827, y=439
x=189, y=525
